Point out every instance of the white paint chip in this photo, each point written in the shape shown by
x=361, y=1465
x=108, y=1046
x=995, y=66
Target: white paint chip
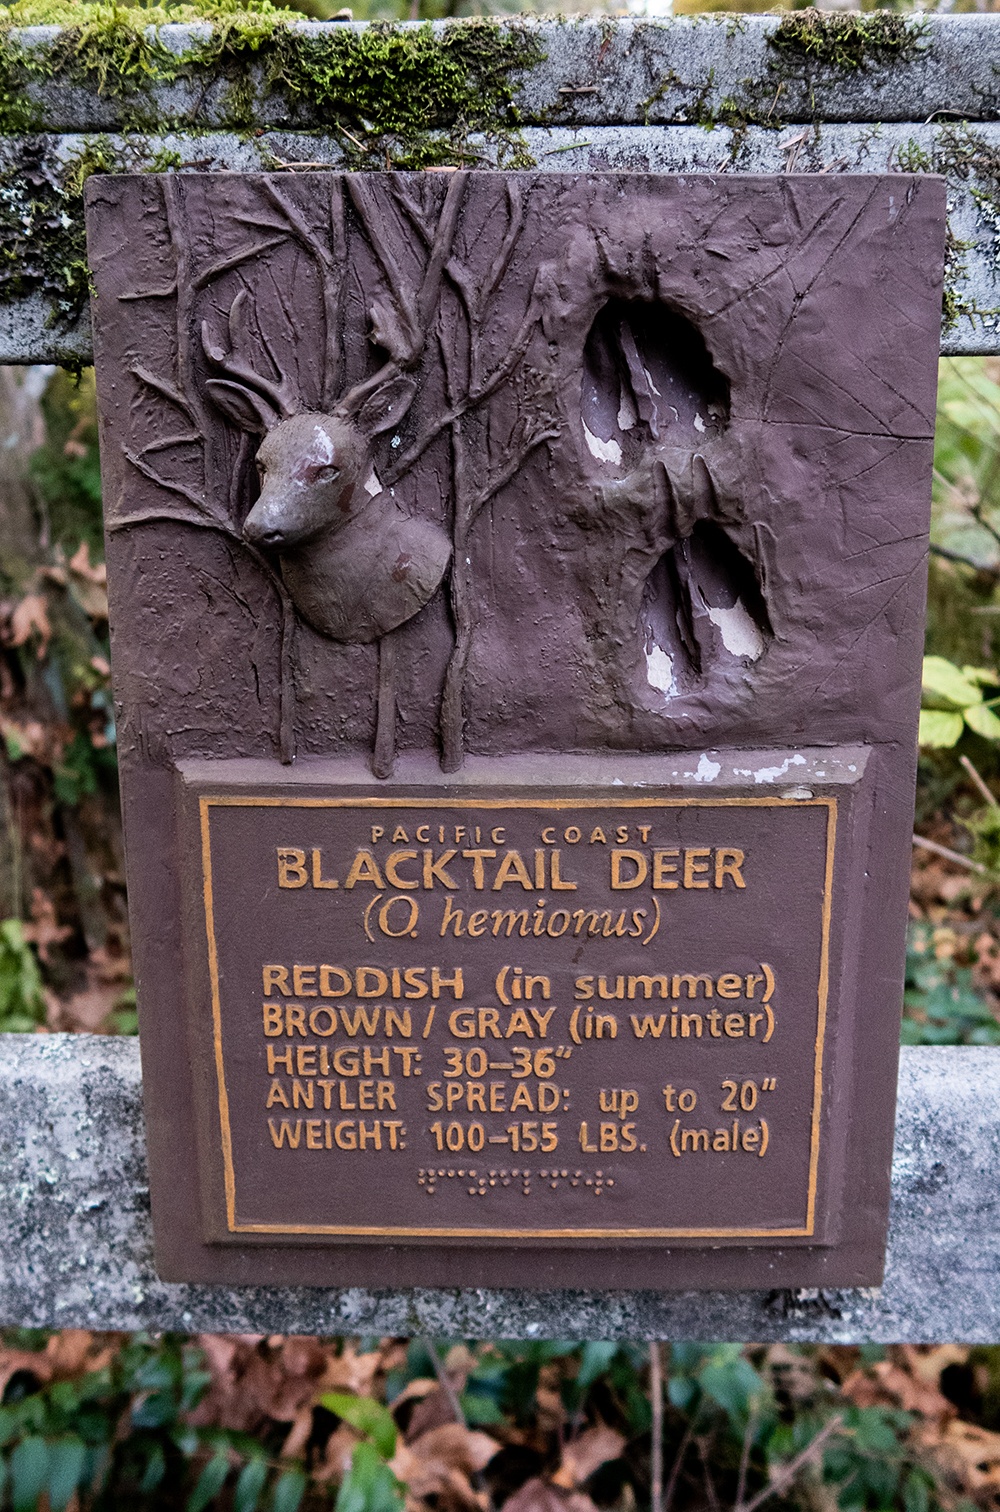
x=372, y=485
x=740, y=634
x=707, y=770
x=604, y=451
x=325, y=451
x=660, y=671
x=770, y=774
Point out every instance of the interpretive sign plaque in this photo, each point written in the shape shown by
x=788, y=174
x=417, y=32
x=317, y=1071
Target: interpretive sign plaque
x=505, y=1033
x=517, y=592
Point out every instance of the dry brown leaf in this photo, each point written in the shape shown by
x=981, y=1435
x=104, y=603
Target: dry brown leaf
x=31, y=617
x=538, y=1495
x=298, y=1434
x=76, y=1351
x=68, y=1354
x=337, y=1455
x=301, y=1356
x=971, y=1456
x=44, y=930
x=88, y=583
x=349, y=1371
x=431, y=1412
x=888, y=1384
x=252, y=1384
x=459, y=1363
x=415, y=1391
x=466, y=1449
x=81, y=565
x=928, y=1363
x=439, y=1465
x=84, y=1012
x=586, y=1453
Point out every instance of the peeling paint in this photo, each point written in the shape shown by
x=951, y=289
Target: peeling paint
x=707, y=770
x=771, y=774
x=740, y=633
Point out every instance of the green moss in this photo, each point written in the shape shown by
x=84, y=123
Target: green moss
x=966, y=156
x=399, y=98
x=846, y=43
x=110, y=48
x=386, y=80
x=382, y=82
x=42, y=246
x=801, y=42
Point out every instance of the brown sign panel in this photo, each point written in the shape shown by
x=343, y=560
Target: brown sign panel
x=520, y=952
x=517, y=587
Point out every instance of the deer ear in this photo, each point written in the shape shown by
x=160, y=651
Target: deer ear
x=387, y=406
x=240, y=405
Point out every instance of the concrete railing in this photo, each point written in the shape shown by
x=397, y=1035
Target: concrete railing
x=746, y=94
x=76, y=1246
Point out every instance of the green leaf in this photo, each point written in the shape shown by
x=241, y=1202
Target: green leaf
x=369, y=1485
x=22, y=1002
x=944, y=687
x=594, y=1361
x=367, y=1416
x=983, y=677
x=916, y=1492
x=156, y=1469
x=681, y=1391
x=983, y=721
x=155, y=1410
x=481, y=1411
x=210, y=1482
x=289, y=1489
x=249, y=1485
x=732, y=1384
x=66, y=1461
x=29, y=1468
x=939, y=730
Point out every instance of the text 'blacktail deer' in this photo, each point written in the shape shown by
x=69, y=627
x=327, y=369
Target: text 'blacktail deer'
x=354, y=563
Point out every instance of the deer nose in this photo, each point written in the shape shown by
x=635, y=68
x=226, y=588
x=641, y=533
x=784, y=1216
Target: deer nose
x=262, y=528
x=266, y=536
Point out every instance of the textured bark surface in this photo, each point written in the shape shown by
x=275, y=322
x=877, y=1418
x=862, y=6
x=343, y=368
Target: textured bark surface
x=631, y=535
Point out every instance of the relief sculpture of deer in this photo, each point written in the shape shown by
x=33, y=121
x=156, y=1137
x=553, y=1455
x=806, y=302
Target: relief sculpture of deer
x=354, y=563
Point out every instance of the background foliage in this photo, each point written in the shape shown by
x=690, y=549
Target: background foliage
x=92, y=1421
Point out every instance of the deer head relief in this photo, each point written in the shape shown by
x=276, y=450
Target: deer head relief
x=310, y=468
x=354, y=563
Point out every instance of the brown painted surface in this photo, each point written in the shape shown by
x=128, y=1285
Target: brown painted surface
x=547, y=465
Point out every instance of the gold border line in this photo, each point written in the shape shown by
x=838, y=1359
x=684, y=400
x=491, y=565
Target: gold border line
x=225, y=801
x=213, y=971
x=824, y=993
x=360, y=1231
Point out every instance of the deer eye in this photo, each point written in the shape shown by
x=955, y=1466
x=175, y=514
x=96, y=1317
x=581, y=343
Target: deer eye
x=328, y=473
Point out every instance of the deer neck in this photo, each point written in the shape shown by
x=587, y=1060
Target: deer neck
x=323, y=574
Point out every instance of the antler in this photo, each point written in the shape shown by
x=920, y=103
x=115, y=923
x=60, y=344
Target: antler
x=246, y=396
x=401, y=324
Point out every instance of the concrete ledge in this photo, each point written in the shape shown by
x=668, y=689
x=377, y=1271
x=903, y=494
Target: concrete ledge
x=75, y=1244
x=31, y=329
x=603, y=72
